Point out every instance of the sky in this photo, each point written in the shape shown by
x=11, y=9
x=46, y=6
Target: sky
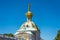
x=46, y=15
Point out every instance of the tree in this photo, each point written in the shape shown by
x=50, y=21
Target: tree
x=10, y=35
x=58, y=35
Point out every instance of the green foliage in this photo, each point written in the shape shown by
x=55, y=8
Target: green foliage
x=58, y=35
x=10, y=35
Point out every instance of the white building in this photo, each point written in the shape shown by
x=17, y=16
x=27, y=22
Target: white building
x=28, y=30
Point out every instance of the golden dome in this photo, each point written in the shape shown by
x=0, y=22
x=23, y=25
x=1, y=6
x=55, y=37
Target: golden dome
x=29, y=14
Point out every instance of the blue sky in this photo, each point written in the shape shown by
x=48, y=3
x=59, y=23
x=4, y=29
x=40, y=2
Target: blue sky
x=46, y=16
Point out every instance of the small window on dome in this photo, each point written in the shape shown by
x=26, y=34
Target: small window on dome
x=27, y=25
x=23, y=25
x=33, y=25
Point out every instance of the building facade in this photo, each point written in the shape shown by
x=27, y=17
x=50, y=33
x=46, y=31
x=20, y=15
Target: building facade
x=28, y=30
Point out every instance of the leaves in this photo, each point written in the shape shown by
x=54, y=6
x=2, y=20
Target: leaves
x=10, y=34
x=58, y=35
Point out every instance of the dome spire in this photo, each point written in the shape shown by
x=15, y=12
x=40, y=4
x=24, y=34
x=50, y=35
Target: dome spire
x=29, y=14
x=28, y=7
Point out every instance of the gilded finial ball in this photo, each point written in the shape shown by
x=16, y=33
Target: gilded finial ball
x=29, y=14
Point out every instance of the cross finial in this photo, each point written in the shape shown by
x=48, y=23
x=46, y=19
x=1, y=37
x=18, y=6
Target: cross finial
x=28, y=7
